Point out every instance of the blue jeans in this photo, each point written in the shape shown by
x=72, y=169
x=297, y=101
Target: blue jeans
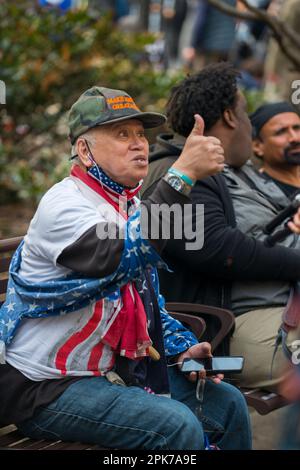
x=95, y=411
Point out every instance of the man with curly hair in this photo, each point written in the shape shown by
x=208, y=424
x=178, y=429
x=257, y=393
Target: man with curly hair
x=234, y=269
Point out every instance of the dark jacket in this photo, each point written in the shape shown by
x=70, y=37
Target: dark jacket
x=205, y=276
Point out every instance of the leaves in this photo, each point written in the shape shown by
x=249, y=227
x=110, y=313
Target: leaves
x=46, y=61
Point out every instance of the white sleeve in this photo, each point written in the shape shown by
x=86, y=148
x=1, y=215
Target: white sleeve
x=61, y=218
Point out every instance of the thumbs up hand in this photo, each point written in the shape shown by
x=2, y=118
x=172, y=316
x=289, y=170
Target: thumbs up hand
x=201, y=156
x=199, y=126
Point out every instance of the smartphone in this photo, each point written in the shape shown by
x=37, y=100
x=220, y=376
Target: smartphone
x=214, y=365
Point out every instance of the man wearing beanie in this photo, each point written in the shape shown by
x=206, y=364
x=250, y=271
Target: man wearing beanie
x=276, y=141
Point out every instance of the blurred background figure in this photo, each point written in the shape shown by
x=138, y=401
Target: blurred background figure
x=63, y=5
x=164, y=19
x=279, y=71
x=174, y=13
x=250, y=47
x=117, y=8
x=251, y=36
x=213, y=35
x=121, y=9
x=252, y=74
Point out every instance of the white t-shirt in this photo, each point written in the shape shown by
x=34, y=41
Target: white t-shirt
x=62, y=345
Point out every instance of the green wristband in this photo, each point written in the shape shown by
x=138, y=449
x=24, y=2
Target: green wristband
x=185, y=178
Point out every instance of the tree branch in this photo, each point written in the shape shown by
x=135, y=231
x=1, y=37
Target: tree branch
x=231, y=11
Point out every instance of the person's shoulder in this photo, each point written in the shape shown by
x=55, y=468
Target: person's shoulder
x=62, y=201
x=64, y=186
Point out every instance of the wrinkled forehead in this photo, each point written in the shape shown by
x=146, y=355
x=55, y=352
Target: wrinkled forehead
x=281, y=121
x=109, y=128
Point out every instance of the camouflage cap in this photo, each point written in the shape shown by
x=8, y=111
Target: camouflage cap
x=99, y=105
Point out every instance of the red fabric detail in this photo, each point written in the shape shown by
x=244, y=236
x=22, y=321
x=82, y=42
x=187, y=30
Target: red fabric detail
x=95, y=357
x=77, y=338
x=91, y=183
x=291, y=314
x=128, y=335
x=105, y=193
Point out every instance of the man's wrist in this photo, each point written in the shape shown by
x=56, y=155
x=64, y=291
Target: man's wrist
x=176, y=359
x=178, y=183
x=182, y=175
x=183, y=170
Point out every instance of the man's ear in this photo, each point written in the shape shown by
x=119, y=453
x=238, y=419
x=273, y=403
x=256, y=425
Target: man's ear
x=83, y=153
x=258, y=147
x=230, y=118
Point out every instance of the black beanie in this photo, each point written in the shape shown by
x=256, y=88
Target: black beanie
x=265, y=112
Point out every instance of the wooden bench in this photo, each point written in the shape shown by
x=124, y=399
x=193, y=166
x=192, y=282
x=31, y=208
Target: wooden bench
x=12, y=439
x=189, y=314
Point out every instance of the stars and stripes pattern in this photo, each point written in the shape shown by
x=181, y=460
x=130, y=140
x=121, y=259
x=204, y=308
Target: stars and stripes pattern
x=72, y=292
x=112, y=187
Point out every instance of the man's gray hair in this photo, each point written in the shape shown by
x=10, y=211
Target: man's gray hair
x=89, y=136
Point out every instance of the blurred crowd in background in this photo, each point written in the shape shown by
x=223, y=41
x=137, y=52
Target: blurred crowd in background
x=193, y=33
x=50, y=50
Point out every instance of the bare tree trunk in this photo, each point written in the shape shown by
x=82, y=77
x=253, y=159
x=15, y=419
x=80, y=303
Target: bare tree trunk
x=144, y=14
x=286, y=37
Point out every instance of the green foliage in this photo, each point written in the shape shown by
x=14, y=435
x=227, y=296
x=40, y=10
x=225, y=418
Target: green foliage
x=254, y=98
x=46, y=61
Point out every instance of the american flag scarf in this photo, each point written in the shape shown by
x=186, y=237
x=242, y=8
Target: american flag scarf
x=73, y=292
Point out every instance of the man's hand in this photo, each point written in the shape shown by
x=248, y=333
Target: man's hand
x=294, y=225
x=189, y=54
x=199, y=351
x=201, y=156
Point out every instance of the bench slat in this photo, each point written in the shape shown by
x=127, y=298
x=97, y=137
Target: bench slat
x=10, y=244
x=263, y=402
x=69, y=446
x=10, y=438
x=4, y=264
x=16, y=441
x=28, y=444
x=3, y=285
x=55, y=445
